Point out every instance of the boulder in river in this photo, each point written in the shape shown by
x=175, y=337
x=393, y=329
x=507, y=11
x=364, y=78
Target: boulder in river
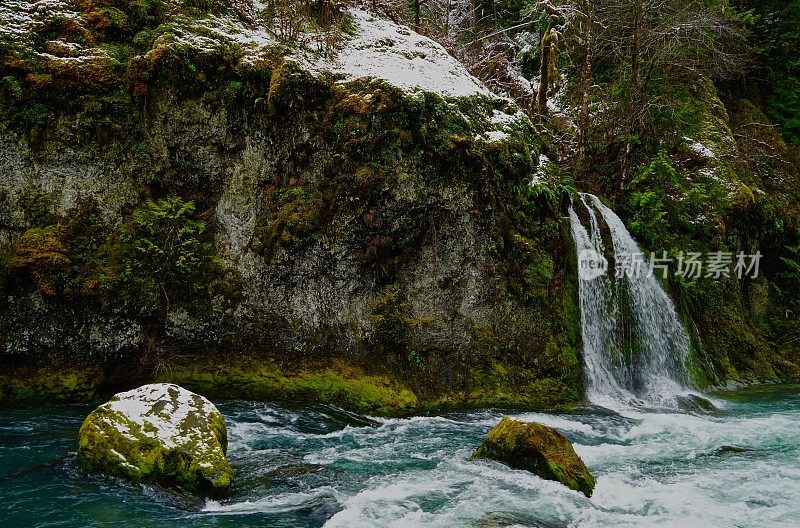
x=539, y=449
x=159, y=433
x=695, y=403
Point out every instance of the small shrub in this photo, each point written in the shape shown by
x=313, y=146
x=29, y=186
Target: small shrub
x=289, y=19
x=647, y=197
x=164, y=251
x=394, y=325
x=107, y=21
x=10, y=88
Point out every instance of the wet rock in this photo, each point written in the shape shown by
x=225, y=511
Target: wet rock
x=159, y=433
x=732, y=449
x=539, y=449
x=695, y=403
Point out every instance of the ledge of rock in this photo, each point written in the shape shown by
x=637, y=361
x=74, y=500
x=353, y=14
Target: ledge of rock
x=159, y=433
x=539, y=449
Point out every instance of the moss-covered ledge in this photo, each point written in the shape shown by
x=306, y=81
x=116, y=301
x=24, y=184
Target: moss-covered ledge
x=337, y=382
x=33, y=385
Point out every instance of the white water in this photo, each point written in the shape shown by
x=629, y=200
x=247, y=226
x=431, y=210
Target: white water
x=314, y=467
x=634, y=345
x=654, y=469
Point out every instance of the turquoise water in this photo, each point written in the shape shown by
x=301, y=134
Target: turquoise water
x=319, y=466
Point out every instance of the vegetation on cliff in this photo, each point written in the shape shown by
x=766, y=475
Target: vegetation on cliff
x=196, y=183
x=213, y=201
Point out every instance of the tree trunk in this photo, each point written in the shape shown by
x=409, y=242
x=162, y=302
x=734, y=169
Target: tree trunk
x=544, y=69
x=585, y=86
x=638, y=13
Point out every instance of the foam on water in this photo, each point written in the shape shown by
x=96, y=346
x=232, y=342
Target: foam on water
x=317, y=466
x=653, y=468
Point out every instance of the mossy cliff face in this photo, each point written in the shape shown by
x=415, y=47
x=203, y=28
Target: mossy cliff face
x=159, y=433
x=539, y=449
x=204, y=198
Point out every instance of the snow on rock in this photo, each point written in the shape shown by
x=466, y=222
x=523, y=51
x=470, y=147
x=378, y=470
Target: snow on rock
x=162, y=433
x=494, y=135
x=21, y=21
x=540, y=176
x=384, y=50
x=207, y=32
x=19, y=17
x=380, y=49
x=700, y=149
x=501, y=125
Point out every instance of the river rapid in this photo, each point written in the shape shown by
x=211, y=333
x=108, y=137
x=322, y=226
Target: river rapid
x=317, y=466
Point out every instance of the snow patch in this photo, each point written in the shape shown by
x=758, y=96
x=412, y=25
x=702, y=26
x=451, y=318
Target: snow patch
x=253, y=39
x=159, y=409
x=380, y=49
x=540, y=176
x=701, y=149
x=21, y=20
x=19, y=17
x=395, y=54
x=501, y=123
x=122, y=459
x=494, y=135
x=504, y=119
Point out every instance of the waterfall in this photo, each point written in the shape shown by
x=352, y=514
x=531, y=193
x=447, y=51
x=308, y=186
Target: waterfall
x=634, y=345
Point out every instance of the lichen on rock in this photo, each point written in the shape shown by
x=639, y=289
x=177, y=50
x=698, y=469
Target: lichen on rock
x=539, y=449
x=159, y=433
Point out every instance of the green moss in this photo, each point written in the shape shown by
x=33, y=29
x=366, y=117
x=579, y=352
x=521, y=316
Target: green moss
x=37, y=207
x=22, y=385
x=499, y=389
x=336, y=383
x=110, y=443
x=286, y=91
x=11, y=88
x=40, y=253
x=394, y=322
x=300, y=215
x=539, y=449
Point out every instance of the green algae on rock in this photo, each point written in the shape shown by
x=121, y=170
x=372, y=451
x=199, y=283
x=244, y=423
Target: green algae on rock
x=62, y=385
x=159, y=433
x=539, y=449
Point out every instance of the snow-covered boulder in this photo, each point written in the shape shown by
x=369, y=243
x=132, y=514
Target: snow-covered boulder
x=159, y=433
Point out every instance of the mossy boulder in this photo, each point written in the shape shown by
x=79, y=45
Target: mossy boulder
x=539, y=449
x=159, y=433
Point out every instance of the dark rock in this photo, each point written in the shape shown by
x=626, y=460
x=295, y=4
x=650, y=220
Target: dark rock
x=539, y=449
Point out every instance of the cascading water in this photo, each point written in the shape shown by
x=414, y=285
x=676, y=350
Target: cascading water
x=634, y=345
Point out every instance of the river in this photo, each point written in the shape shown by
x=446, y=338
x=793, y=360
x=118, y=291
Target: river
x=738, y=466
